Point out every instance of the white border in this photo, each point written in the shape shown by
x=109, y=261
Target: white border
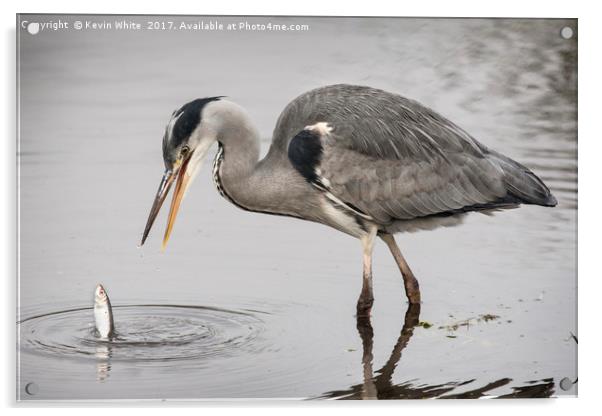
x=589, y=178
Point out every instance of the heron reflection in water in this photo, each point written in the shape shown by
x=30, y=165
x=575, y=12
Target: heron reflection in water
x=361, y=160
x=381, y=385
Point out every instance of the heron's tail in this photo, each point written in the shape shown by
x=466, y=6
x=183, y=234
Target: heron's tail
x=522, y=183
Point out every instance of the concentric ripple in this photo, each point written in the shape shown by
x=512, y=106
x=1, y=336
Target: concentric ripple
x=145, y=333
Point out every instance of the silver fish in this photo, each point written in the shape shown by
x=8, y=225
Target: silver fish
x=103, y=313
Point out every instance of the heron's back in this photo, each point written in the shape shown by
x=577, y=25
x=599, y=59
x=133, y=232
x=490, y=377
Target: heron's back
x=395, y=159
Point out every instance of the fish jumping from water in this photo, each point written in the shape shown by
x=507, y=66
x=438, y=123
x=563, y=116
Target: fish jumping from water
x=103, y=313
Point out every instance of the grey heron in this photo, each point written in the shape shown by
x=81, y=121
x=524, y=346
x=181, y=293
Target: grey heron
x=364, y=161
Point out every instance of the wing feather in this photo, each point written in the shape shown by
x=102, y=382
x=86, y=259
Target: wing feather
x=395, y=159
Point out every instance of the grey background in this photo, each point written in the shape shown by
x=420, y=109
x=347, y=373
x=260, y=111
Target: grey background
x=93, y=106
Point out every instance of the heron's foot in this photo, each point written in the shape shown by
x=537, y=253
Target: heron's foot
x=364, y=306
x=412, y=290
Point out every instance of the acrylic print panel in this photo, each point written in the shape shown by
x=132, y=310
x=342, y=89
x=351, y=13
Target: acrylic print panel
x=246, y=305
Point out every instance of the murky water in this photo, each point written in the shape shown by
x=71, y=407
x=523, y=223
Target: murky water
x=244, y=305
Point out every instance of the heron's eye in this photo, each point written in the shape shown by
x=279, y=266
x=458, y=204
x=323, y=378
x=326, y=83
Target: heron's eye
x=184, y=151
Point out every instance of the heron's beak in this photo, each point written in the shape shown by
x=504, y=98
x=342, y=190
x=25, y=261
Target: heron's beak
x=181, y=185
x=182, y=173
x=182, y=177
x=164, y=186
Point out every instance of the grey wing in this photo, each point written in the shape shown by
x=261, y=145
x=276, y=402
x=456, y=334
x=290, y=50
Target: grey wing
x=393, y=159
x=373, y=122
x=388, y=189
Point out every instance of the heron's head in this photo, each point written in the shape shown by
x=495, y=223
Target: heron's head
x=189, y=134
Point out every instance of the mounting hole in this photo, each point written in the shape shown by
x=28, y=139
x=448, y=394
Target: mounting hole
x=566, y=384
x=33, y=28
x=31, y=388
x=566, y=32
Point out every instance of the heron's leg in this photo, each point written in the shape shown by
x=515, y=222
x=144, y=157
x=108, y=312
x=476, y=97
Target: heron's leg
x=364, y=303
x=409, y=281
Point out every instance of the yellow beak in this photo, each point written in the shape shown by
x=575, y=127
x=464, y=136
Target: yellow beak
x=181, y=185
x=183, y=178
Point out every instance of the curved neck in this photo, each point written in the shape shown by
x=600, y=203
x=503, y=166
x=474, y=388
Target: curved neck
x=269, y=185
x=237, y=157
x=237, y=136
x=232, y=174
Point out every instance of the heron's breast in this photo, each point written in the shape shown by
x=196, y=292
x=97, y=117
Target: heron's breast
x=343, y=219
